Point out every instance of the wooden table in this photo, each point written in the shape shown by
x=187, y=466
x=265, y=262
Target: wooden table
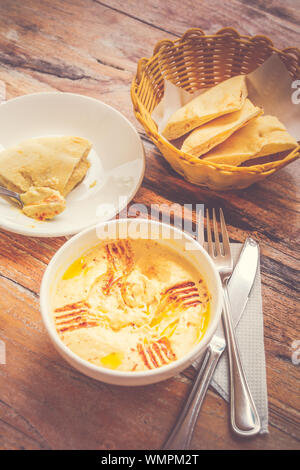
x=92, y=48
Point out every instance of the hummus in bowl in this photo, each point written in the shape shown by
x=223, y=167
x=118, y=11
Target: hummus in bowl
x=131, y=305
x=131, y=310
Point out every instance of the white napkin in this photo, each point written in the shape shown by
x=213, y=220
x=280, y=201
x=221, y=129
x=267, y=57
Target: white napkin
x=250, y=337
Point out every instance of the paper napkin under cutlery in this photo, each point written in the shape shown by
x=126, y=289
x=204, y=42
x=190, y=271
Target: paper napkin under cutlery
x=250, y=337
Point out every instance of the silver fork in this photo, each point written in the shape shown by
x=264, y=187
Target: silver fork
x=12, y=194
x=242, y=407
x=245, y=419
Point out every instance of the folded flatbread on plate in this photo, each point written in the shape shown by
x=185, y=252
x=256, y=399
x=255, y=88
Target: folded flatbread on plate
x=54, y=162
x=262, y=136
x=78, y=174
x=224, y=98
x=205, y=137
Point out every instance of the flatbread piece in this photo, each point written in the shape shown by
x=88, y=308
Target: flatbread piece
x=264, y=135
x=224, y=98
x=205, y=137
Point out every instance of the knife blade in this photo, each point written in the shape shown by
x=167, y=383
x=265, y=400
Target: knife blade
x=239, y=288
x=240, y=285
x=242, y=279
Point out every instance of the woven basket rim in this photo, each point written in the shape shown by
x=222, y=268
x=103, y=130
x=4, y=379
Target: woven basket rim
x=227, y=30
x=265, y=168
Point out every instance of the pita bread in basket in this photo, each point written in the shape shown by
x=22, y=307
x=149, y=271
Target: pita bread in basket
x=197, y=62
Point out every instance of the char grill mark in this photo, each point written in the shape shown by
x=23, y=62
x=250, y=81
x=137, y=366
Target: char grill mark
x=120, y=256
x=74, y=316
x=180, y=285
x=157, y=353
x=142, y=353
x=72, y=327
x=70, y=315
x=72, y=306
x=185, y=294
x=166, y=347
x=108, y=281
x=152, y=356
x=120, y=263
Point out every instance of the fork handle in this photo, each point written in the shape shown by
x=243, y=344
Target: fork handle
x=181, y=435
x=243, y=413
x=6, y=192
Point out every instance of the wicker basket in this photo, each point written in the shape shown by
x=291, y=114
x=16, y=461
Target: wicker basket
x=199, y=61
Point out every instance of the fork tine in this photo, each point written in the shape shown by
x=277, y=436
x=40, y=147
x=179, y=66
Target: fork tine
x=211, y=250
x=225, y=238
x=216, y=232
x=201, y=226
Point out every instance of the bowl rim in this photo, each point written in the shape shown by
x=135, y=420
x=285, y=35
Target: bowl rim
x=23, y=230
x=129, y=375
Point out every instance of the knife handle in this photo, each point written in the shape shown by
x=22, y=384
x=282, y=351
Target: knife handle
x=243, y=414
x=181, y=435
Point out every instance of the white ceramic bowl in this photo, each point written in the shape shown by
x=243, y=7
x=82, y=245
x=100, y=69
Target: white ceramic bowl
x=168, y=235
x=117, y=158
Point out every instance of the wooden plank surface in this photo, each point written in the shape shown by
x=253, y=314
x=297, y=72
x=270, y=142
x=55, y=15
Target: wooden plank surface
x=92, y=47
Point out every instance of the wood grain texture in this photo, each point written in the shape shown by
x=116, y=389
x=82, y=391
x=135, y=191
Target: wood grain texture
x=92, y=47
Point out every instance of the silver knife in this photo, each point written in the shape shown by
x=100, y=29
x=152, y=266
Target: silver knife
x=239, y=288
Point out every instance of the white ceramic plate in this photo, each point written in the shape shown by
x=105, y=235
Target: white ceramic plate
x=117, y=158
